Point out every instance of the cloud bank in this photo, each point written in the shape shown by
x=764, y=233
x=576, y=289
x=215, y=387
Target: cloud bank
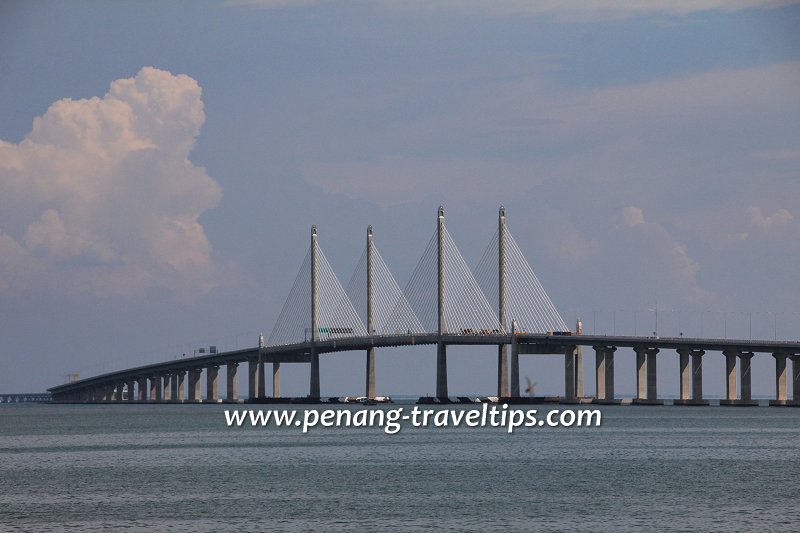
x=101, y=197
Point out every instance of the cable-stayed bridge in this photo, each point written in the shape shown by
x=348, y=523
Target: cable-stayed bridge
x=500, y=303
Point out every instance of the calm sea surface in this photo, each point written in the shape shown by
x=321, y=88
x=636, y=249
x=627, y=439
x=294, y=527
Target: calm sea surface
x=179, y=467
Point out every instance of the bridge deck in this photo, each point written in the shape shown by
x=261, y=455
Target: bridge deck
x=541, y=344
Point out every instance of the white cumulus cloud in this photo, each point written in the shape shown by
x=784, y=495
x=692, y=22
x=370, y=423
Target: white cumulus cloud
x=101, y=196
x=779, y=218
x=632, y=216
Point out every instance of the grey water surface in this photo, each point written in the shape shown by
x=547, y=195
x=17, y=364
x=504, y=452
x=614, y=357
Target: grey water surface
x=181, y=468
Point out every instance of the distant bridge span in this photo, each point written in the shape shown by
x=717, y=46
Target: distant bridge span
x=166, y=380
x=443, y=304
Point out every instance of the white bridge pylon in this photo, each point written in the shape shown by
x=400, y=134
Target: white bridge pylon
x=508, y=279
x=442, y=295
x=318, y=302
x=377, y=296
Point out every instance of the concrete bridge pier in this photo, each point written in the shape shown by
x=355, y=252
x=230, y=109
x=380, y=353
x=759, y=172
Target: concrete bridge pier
x=181, y=375
x=795, y=379
x=131, y=390
x=252, y=378
x=276, y=379
x=141, y=389
x=641, y=374
x=579, y=392
x=599, y=373
x=173, y=385
x=569, y=376
x=514, y=385
x=212, y=383
x=370, y=385
x=780, y=380
x=119, y=394
x=502, y=371
x=194, y=384
x=262, y=383
x=730, y=377
x=167, y=383
x=691, y=377
x=697, y=378
x=604, y=375
x=441, y=370
x=155, y=388
x=745, y=376
x=646, y=377
x=745, y=397
x=684, y=374
x=233, y=382
x=314, y=385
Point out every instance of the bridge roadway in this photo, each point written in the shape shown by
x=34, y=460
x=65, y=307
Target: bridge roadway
x=22, y=397
x=166, y=381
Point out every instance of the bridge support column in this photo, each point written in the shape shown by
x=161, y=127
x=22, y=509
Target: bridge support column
x=780, y=379
x=695, y=372
x=745, y=379
x=194, y=384
x=120, y=395
x=730, y=377
x=796, y=379
x=212, y=383
x=141, y=389
x=276, y=379
x=262, y=385
x=579, y=372
x=745, y=398
x=684, y=370
x=600, y=373
x=131, y=390
x=252, y=379
x=314, y=385
x=502, y=371
x=441, y=370
x=173, y=385
x=155, y=388
x=233, y=382
x=609, y=363
x=370, y=388
x=604, y=375
x=181, y=381
x=167, y=384
x=641, y=373
x=514, y=385
x=569, y=375
x=697, y=377
x=652, y=376
x=647, y=356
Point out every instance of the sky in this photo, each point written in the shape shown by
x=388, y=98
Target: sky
x=161, y=164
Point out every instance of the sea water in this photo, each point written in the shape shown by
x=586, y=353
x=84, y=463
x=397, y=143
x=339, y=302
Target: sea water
x=181, y=468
